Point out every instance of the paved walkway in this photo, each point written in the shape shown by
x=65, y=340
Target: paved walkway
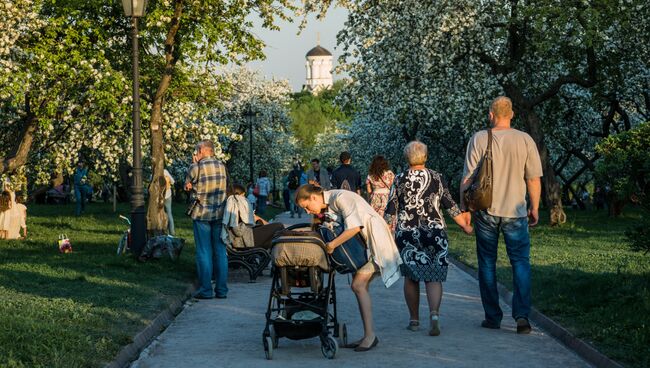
x=228, y=333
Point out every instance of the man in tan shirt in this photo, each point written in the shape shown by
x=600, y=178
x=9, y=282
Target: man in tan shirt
x=517, y=168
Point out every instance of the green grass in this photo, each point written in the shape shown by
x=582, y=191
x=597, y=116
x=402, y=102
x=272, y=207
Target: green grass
x=79, y=309
x=585, y=277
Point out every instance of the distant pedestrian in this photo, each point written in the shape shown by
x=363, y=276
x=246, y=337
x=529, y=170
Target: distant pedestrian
x=416, y=201
x=379, y=181
x=250, y=196
x=599, y=198
x=516, y=168
x=82, y=189
x=345, y=176
x=286, y=196
x=297, y=177
x=263, y=188
x=207, y=178
x=169, y=184
x=319, y=176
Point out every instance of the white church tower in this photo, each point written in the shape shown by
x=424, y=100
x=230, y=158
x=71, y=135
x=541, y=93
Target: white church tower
x=319, y=69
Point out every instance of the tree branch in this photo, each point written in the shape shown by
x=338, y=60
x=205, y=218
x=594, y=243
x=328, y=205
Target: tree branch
x=586, y=82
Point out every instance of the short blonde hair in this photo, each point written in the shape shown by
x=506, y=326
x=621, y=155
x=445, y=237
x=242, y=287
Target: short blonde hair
x=415, y=153
x=501, y=107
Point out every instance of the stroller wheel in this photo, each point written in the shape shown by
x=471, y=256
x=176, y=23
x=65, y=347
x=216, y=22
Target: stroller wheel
x=343, y=334
x=268, y=347
x=274, y=337
x=329, y=347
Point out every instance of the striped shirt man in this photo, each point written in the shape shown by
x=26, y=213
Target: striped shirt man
x=208, y=178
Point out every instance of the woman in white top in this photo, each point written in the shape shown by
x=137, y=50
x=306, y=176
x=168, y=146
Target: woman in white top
x=358, y=217
x=242, y=227
x=12, y=216
x=169, y=182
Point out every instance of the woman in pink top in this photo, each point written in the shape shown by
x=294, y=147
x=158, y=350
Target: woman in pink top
x=379, y=181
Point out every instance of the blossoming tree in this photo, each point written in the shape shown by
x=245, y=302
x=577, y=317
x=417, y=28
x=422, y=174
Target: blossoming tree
x=58, y=91
x=432, y=68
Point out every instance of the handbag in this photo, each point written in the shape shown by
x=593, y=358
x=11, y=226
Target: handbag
x=349, y=256
x=479, y=194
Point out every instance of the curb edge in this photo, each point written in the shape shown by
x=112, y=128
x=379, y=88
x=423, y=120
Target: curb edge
x=578, y=346
x=142, y=339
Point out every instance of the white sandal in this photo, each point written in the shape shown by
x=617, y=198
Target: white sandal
x=434, y=318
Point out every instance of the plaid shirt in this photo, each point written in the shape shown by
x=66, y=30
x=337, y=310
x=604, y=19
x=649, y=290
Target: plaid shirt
x=208, y=178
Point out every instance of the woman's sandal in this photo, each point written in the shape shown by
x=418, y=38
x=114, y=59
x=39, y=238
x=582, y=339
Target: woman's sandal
x=414, y=325
x=435, y=324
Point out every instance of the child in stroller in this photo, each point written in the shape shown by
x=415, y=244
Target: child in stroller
x=301, y=262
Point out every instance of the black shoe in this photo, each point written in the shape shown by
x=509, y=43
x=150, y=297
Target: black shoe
x=199, y=296
x=490, y=325
x=352, y=345
x=523, y=326
x=361, y=348
x=221, y=296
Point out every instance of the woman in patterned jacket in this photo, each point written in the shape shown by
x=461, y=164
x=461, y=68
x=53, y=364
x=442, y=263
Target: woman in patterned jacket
x=416, y=200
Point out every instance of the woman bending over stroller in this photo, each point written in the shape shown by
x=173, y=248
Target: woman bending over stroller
x=357, y=217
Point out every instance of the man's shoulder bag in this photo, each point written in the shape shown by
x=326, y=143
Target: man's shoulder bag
x=478, y=196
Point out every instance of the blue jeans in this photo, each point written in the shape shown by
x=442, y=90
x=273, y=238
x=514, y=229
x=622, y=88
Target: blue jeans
x=81, y=193
x=261, y=204
x=515, y=234
x=170, y=216
x=295, y=209
x=211, y=258
x=287, y=199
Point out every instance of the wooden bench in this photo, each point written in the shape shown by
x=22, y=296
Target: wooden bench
x=56, y=197
x=254, y=260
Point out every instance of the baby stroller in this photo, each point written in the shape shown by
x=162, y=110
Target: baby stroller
x=302, y=291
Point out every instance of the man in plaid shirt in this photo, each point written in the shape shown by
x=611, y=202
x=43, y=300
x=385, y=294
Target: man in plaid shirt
x=206, y=177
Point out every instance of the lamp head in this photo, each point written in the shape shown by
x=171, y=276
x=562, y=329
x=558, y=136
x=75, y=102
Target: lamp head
x=134, y=8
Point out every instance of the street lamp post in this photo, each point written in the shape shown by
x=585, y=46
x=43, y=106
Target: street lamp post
x=135, y=9
x=250, y=116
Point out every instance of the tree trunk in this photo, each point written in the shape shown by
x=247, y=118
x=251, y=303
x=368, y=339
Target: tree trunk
x=552, y=193
x=156, y=216
x=17, y=157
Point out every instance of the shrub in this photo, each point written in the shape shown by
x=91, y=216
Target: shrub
x=626, y=168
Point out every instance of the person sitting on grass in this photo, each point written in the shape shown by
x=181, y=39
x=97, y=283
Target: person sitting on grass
x=12, y=216
x=242, y=228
